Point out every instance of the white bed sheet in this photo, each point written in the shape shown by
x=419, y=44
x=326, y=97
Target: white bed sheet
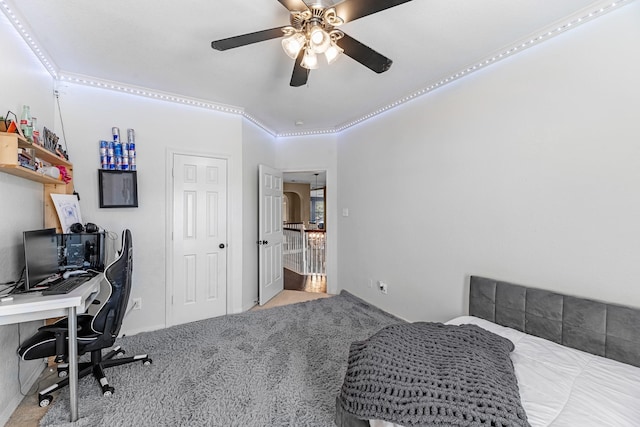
x=564, y=387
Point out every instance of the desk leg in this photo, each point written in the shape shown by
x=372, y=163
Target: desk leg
x=73, y=363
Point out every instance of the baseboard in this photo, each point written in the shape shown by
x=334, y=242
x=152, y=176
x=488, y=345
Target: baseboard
x=145, y=329
x=16, y=399
x=247, y=307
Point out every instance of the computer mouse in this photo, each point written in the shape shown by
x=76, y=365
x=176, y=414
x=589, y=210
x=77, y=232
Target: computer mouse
x=68, y=274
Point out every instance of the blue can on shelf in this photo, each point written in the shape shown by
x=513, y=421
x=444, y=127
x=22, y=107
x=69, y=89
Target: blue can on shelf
x=131, y=135
x=104, y=163
x=118, y=155
x=111, y=146
x=111, y=162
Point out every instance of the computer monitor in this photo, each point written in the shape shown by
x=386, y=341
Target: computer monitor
x=40, y=256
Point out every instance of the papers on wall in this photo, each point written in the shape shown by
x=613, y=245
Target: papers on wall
x=68, y=209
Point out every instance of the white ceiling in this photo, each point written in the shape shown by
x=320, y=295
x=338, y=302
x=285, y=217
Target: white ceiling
x=165, y=46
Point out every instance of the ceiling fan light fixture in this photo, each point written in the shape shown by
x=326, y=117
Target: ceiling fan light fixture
x=292, y=44
x=333, y=53
x=319, y=39
x=310, y=60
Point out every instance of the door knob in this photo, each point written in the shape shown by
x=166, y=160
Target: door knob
x=221, y=246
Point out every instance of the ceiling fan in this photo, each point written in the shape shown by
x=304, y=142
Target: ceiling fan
x=313, y=31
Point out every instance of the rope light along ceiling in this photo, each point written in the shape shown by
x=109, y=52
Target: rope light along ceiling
x=150, y=93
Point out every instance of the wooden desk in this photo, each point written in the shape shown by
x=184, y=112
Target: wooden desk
x=35, y=306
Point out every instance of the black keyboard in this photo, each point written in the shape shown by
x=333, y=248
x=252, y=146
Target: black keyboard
x=66, y=285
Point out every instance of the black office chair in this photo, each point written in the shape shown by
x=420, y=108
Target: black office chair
x=95, y=332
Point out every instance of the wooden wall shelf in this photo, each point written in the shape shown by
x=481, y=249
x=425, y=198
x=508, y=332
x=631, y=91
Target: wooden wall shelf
x=9, y=144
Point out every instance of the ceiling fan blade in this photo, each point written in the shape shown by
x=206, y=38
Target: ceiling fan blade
x=245, y=39
x=350, y=10
x=364, y=54
x=300, y=74
x=294, y=5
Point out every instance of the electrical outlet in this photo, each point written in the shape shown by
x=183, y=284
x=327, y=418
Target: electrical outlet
x=137, y=303
x=382, y=286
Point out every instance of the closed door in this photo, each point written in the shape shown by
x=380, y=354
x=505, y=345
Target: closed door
x=271, y=280
x=199, y=279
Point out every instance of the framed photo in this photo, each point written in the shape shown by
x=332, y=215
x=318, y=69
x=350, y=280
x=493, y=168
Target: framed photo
x=118, y=189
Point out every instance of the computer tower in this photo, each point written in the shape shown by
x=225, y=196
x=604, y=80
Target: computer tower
x=81, y=251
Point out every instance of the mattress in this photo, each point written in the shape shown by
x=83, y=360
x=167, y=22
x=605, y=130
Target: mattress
x=563, y=387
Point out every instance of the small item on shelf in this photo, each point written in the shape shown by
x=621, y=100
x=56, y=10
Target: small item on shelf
x=104, y=158
x=118, y=154
x=26, y=158
x=131, y=148
x=25, y=123
x=38, y=163
x=35, y=134
x=64, y=175
x=50, y=141
x=111, y=155
x=51, y=171
x=60, y=152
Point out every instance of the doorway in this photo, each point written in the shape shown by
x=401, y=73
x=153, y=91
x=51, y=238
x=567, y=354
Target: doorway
x=304, y=229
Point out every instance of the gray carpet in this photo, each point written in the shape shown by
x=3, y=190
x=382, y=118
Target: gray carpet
x=278, y=367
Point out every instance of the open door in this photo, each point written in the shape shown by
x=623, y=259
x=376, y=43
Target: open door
x=269, y=233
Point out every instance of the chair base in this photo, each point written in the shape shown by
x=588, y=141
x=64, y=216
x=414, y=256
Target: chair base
x=96, y=366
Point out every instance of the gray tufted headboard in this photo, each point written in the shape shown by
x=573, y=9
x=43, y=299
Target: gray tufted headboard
x=608, y=330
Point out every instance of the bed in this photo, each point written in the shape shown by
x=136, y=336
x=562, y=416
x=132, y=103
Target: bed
x=577, y=361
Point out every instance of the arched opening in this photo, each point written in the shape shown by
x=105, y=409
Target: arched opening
x=292, y=208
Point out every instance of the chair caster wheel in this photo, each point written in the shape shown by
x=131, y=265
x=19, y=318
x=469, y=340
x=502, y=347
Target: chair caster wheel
x=120, y=352
x=62, y=373
x=45, y=400
x=108, y=391
x=147, y=362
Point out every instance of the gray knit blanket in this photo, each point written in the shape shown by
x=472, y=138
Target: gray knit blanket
x=431, y=374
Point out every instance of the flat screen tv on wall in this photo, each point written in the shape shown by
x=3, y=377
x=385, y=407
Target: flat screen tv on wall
x=118, y=189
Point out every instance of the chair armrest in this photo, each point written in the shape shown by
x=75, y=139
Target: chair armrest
x=60, y=331
x=55, y=328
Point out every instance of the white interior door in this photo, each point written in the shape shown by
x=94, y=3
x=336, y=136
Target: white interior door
x=270, y=233
x=199, y=279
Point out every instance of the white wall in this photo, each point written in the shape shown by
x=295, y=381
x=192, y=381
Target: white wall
x=528, y=171
x=88, y=114
x=258, y=148
x=24, y=81
x=309, y=153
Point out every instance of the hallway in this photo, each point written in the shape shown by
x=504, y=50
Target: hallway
x=311, y=283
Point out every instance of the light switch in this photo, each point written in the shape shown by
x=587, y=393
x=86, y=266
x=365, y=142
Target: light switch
x=345, y=211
